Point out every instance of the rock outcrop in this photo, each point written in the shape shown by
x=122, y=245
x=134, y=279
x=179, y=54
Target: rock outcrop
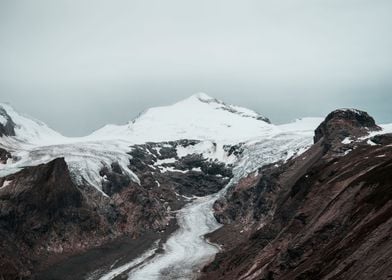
x=7, y=126
x=344, y=123
x=4, y=155
x=322, y=215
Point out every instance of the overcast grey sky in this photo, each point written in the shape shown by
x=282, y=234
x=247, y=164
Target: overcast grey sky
x=78, y=65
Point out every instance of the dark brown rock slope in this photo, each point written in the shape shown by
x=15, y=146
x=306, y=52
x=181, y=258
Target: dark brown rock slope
x=44, y=214
x=38, y=207
x=324, y=215
x=7, y=128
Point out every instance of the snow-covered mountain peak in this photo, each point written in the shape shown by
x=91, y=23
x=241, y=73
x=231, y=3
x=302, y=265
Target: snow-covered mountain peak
x=199, y=117
x=24, y=128
x=220, y=105
x=202, y=96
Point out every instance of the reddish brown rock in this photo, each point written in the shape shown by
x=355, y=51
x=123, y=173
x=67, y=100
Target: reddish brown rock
x=323, y=215
x=7, y=128
x=44, y=214
x=343, y=123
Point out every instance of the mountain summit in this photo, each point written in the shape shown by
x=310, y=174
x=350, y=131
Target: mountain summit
x=25, y=129
x=197, y=117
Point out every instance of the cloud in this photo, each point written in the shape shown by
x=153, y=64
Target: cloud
x=105, y=61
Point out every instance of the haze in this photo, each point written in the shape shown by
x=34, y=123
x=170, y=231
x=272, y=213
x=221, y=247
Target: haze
x=78, y=65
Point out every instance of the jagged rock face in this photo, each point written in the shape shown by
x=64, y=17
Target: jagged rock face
x=343, y=123
x=188, y=175
x=7, y=126
x=115, y=179
x=383, y=139
x=318, y=216
x=4, y=156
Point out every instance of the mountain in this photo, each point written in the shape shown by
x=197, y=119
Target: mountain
x=25, y=129
x=144, y=192
x=198, y=117
x=323, y=215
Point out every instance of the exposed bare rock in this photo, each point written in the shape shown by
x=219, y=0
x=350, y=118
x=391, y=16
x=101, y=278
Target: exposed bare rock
x=189, y=175
x=7, y=128
x=343, y=123
x=42, y=212
x=4, y=156
x=114, y=179
x=382, y=139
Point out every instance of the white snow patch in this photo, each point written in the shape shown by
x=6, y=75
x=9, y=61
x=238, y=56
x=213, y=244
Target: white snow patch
x=386, y=128
x=165, y=161
x=371, y=143
x=5, y=183
x=347, y=140
x=164, y=169
x=350, y=110
x=302, y=125
x=3, y=120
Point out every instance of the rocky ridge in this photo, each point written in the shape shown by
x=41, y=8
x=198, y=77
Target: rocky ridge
x=323, y=215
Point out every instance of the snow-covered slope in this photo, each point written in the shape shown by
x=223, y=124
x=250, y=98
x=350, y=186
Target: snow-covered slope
x=27, y=130
x=302, y=124
x=198, y=117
